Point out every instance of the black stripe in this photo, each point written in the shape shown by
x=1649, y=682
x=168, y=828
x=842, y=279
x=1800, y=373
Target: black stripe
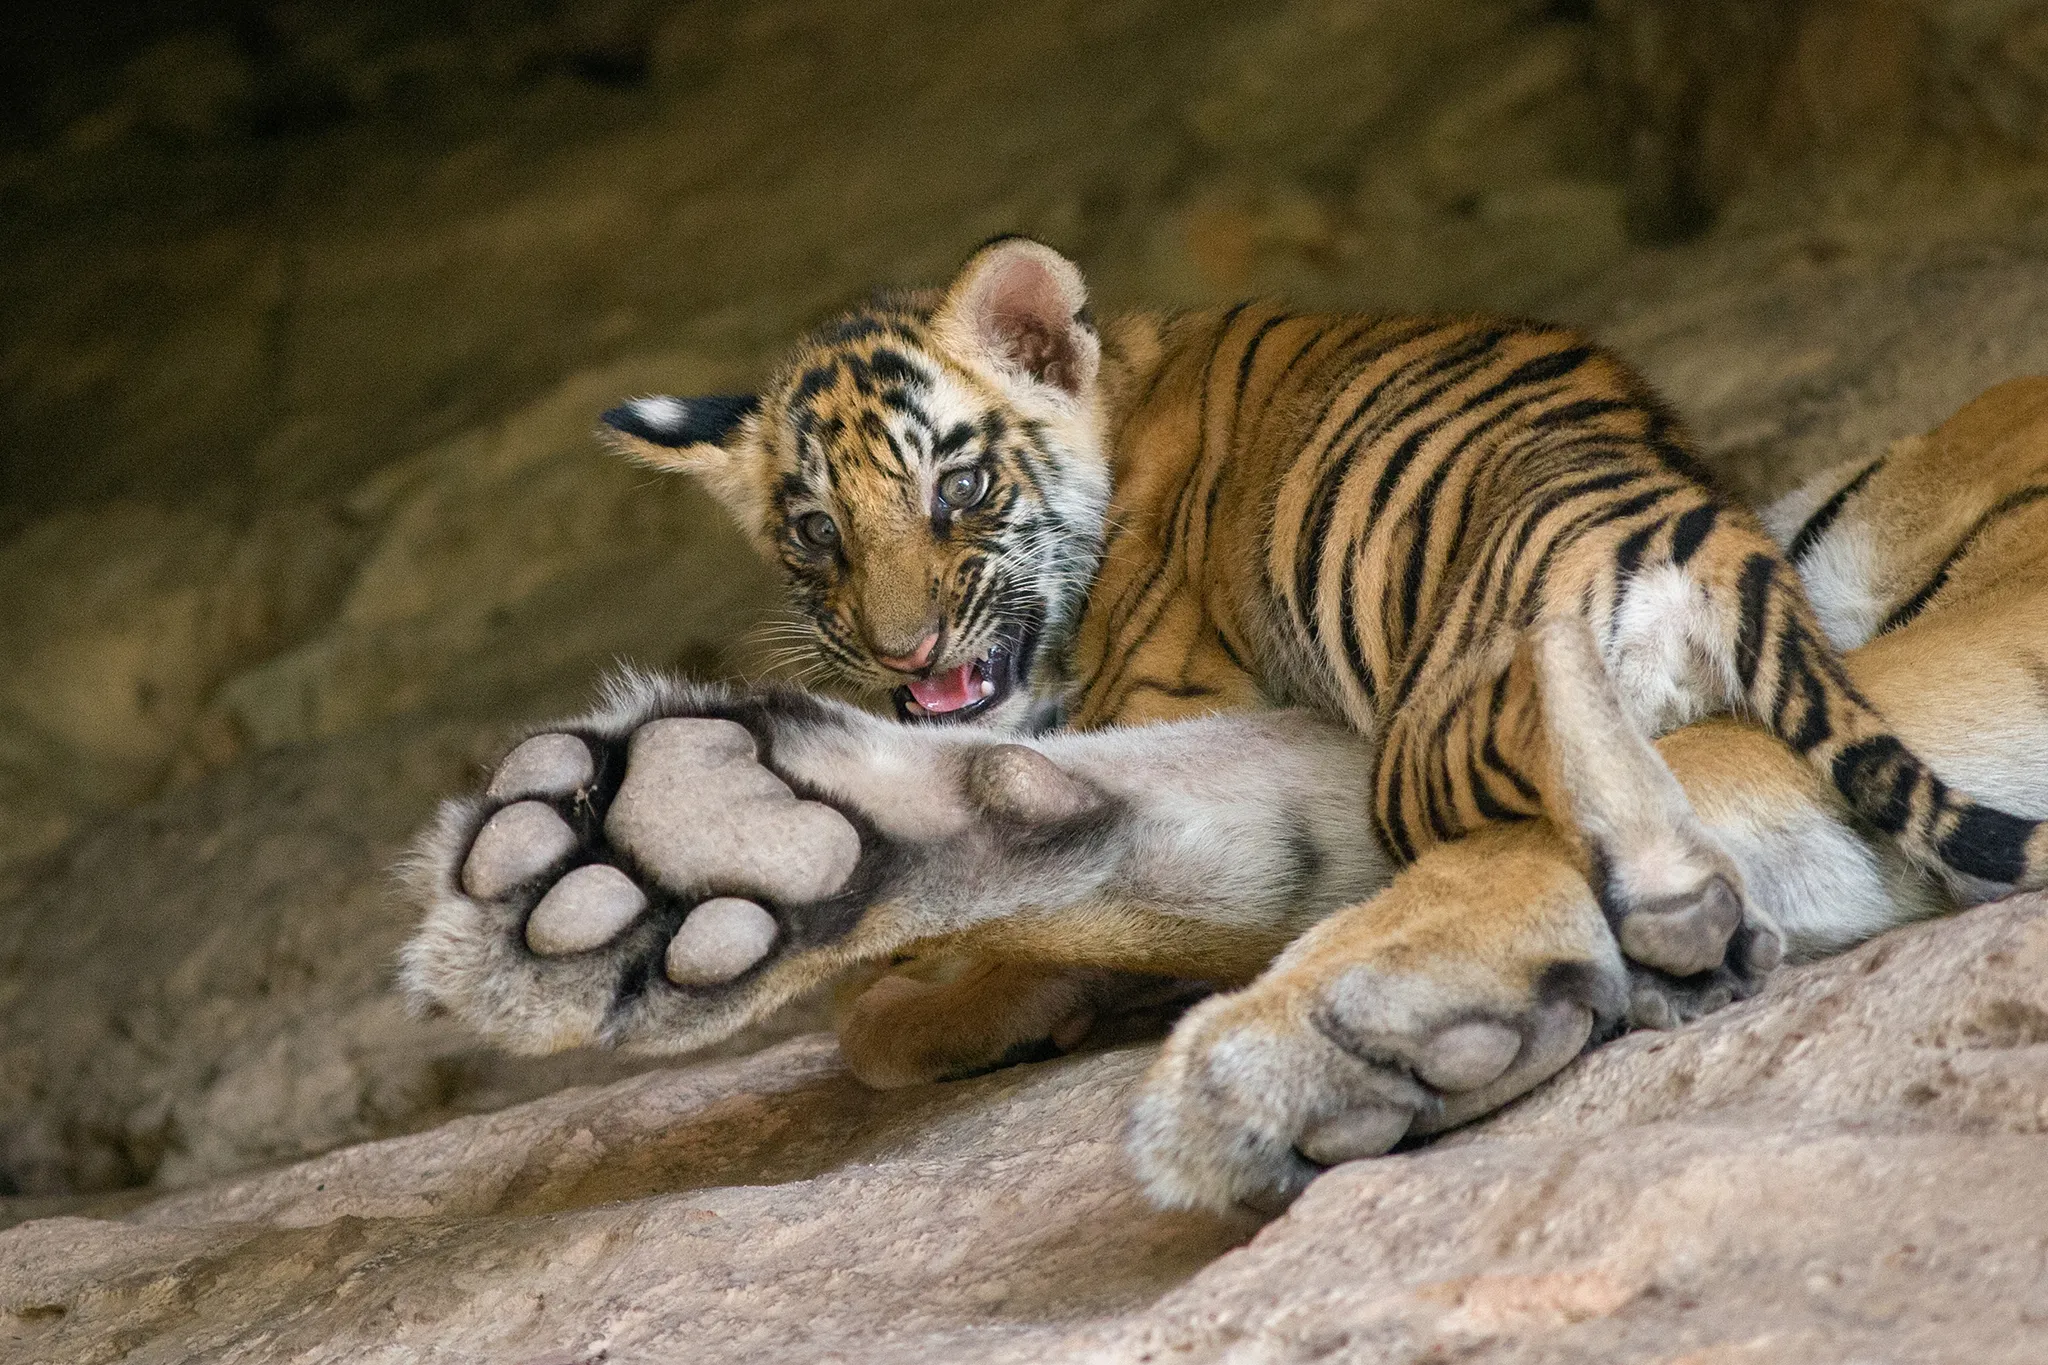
x=2004, y=507
x=1491, y=753
x=1230, y=443
x=1490, y=807
x=954, y=440
x=1323, y=501
x=1496, y=573
x=1666, y=440
x=1421, y=516
x=1251, y=358
x=1628, y=556
x=1878, y=776
x=1440, y=803
x=1581, y=410
x=1568, y=535
x=1347, y=630
x=1301, y=353
x=1691, y=532
x=1793, y=672
x=1505, y=413
x=1753, y=589
x=1542, y=367
x=1393, y=830
x=1824, y=516
x=1180, y=690
x=1230, y=653
x=1425, y=506
x=1988, y=843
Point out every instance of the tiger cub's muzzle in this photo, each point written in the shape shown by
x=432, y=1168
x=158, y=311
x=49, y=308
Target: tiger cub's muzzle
x=969, y=690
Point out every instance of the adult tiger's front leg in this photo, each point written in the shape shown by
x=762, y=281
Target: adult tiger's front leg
x=1480, y=973
x=672, y=867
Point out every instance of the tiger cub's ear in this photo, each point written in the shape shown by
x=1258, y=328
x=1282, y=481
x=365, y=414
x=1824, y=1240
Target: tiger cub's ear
x=1019, y=309
x=687, y=434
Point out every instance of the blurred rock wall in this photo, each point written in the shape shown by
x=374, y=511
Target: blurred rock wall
x=1703, y=99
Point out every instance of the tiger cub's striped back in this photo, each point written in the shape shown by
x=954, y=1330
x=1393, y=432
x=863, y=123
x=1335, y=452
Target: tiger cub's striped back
x=1482, y=542
x=1371, y=513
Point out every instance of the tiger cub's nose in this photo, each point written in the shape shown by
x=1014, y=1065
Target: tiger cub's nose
x=915, y=659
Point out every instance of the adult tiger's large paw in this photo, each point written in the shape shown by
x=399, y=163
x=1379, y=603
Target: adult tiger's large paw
x=643, y=878
x=1436, y=1002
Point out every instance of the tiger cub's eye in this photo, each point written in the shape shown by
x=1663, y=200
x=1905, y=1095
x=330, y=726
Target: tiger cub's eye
x=963, y=488
x=817, y=531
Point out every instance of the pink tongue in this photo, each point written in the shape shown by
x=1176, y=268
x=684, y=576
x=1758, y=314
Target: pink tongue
x=948, y=691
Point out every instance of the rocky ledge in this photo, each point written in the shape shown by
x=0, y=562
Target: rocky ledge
x=1849, y=1167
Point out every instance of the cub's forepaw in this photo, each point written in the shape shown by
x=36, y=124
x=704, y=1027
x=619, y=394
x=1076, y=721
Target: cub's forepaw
x=1692, y=952
x=647, y=878
x=1660, y=999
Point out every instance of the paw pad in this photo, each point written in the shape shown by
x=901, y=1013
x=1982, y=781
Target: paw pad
x=587, y=909
x=1469, y=1055
x=720, y=939
x=516, y=845
x=1022, y=784
x=1683, y=934
x=546, y=765
x=700, y=814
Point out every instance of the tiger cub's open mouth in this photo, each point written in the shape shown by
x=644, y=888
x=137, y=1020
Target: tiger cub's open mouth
x=961, y=694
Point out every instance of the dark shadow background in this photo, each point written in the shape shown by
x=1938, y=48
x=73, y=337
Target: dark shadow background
x=306, y=311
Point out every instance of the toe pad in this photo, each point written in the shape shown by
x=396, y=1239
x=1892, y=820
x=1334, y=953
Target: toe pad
x=1368, y=1131
x=586, y=909
x=1467, y=1056
x=546, y=765
x=1018, y=783
x=720, y=939
x=1684, y=934
x=516, y=845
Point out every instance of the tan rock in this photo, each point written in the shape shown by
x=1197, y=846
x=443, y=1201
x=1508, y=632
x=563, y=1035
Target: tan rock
x=119, y=621
x=1774, y=1183
x=121, y=618
x=510, y=565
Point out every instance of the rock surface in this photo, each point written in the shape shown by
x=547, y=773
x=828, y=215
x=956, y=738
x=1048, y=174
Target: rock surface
x=1847, y=1168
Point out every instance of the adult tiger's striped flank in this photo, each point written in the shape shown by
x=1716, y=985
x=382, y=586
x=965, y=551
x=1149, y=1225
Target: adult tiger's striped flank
x=1464, y=536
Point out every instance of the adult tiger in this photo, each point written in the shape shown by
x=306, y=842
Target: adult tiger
x=1064, y=861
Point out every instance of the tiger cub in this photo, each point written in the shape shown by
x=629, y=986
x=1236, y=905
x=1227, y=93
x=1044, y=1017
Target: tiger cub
x=1476, y=541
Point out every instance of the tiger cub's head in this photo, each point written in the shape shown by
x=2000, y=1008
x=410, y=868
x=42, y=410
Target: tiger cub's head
x=928, y=470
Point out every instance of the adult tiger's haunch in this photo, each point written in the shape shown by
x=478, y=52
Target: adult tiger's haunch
x=1479, y=542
